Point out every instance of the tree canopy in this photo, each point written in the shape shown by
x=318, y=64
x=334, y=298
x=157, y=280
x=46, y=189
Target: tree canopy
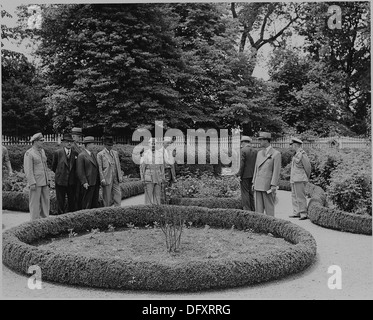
x=113, y=68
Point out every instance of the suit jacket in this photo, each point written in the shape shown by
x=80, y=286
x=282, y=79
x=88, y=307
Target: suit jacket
x=106, y=165
x=247, y=163
x=64, y=169
x=78, y=149
x=267, y=169
x=87, y=168
x=36, y=169
x=300, y=167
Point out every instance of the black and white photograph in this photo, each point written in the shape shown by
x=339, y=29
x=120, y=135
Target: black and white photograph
x=199, y=152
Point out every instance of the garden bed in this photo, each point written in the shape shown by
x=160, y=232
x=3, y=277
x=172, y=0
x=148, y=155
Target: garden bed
x=19, y=201
x=148, y=244
x=76, y=268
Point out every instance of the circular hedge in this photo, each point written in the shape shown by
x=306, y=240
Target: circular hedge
x=19, y=253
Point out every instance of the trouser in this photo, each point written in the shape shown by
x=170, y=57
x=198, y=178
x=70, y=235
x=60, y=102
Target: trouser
x=78, y=196
x=112, y=194
x=61, y=192
x=265, y=202
x=247, y=194
x=298, y=197
x=153, y=193
x=90, y=197
x=39, y=202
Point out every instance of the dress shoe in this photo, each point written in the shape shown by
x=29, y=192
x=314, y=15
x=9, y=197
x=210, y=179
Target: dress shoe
x=294, y=216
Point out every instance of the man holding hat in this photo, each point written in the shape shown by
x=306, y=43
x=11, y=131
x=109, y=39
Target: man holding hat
x=36, y=170
x=110, y=174
x=64, y=167
x=266, y=175
x=299, y=175
x=246, y=172
x=88, y=174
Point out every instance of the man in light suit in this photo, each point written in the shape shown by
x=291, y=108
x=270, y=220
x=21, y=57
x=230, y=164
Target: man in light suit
x=266, y=175
x=38, y=179
x=88, y=174
x=299, y=175
x=110, y=174
x=246, y=173
x=64, y=167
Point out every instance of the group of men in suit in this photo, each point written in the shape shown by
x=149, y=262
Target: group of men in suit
x=259, y=175
x=79, y=172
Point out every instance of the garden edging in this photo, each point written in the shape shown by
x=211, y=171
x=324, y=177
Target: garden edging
x=19, y=253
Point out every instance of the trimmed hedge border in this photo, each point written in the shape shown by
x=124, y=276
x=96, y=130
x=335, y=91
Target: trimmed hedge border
x=19, y=201
x=336, y=219
x=318, y=213
x=19, y=253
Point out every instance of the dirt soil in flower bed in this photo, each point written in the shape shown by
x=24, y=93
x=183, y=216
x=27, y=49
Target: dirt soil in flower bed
x=148, y=244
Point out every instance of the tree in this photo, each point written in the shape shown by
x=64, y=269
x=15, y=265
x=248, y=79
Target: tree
x=23, y=113
x=346, y=51
x=260, y=18
x=307, y=93
x=113, y=63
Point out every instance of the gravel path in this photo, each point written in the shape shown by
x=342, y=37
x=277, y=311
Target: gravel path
x=351, y=252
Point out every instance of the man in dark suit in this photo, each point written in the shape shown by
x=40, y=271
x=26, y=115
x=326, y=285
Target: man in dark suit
x=77, y=146
x=88, y=174
x=64, y=167
x=246, y=172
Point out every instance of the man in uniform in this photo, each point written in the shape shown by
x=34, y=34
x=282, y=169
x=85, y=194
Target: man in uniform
x=246, y=172
x=64, y=167
x=36, y=170
x=110, y=174
x=266, y=175
x=77, y=146
x=88, y=174
x=299, y=175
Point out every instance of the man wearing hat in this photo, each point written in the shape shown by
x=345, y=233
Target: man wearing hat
x=77, y=146
x=88, y=174
x=64, y=167
x=266, y=175
x=246, y=172
x=299, y=175
x=38, y=179
x=110, y=174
